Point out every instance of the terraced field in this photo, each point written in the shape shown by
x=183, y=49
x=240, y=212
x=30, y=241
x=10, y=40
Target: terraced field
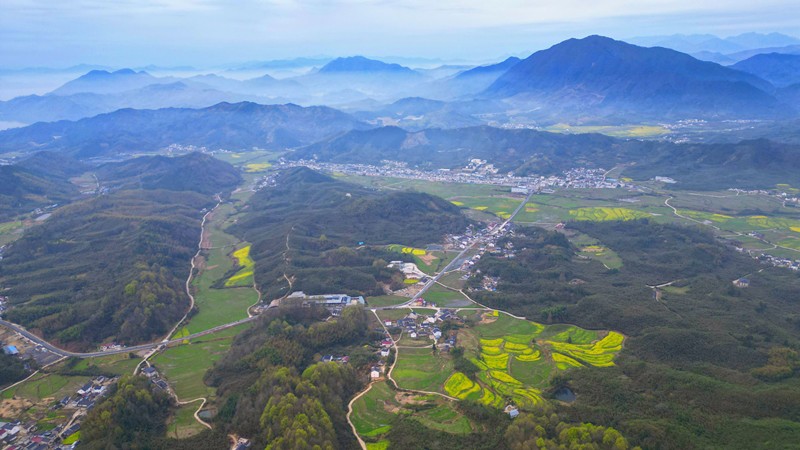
x=517, y=358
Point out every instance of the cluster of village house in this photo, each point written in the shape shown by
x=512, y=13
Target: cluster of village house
x=155, y=378
x=26, y=436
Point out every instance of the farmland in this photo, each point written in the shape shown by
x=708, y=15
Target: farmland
x=244, y=276
x=184, y=365
x=374, y=412
x=217, y=306
x=421, y=370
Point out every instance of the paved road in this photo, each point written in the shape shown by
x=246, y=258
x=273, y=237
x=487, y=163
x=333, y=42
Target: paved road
x=37, y=340
x=455, y=262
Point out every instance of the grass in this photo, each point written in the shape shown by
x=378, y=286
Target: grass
x=183, y=424
x=46, y=386
x=444, y=418
x=386, y=300
x=117, y=364
x=185, y=365
x=393, y=314
x=420, y=369
x=219, y=306
x=370, y=416
x=446, y=298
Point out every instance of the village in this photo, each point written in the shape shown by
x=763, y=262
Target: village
x=30, y=434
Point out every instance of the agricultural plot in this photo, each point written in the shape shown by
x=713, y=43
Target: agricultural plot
x=183, y=424
x=256, y=167
x=244, y=277
x=386, y=300
x=601, y=214
x=46, y=386
x=185, y=365
x=447, y=298
x=219, y=306
x=428, y=262
x=591, y=248
x=517, y=358
x=421, y=370
x=374, y=412
x=501, y=206
x=622, y=131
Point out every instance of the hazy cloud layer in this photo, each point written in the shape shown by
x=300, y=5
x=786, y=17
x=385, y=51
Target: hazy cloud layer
x=135, y=32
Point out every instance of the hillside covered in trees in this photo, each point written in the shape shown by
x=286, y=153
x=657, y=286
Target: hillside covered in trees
x=328, y=236
x=704, y=359
x=113, y=267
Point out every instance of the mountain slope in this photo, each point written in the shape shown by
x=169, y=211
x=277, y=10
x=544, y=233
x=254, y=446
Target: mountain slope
x=38, y=181
x=104, y=82
x=225, y=125
x=326, y=235
x=754, y=163
x=598, y=75
x=361, y=64
x=779, y=69
x=197, y=172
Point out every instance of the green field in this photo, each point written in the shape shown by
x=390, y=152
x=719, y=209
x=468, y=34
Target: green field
x=447, y=298
x=371, y=415
x=184, y=365
x=386, y=300
x=517, y=358
x=183, y=424
x=46, y=386
x=421, y=370
x=374, y=412
x=118, y=364
x=592, y=248
x=220, y=306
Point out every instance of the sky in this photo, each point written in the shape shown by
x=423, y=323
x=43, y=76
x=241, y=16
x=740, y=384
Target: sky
x=205, y=33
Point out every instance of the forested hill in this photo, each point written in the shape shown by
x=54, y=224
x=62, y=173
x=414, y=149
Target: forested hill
x=327, y=234
x=753, y=163
x=706, y=364
x=196, y=172
x=225, y=125
x=113, y=267
x=110, y=267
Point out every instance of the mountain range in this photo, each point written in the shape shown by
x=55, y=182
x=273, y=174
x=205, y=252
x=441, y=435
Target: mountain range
x=594, y=79
x=225, y=125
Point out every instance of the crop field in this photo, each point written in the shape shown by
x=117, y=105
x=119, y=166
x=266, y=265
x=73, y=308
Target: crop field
x=393, y=314
x=244, y=277
x=183, y=424
x=247, y=158
x=219, y=306
x=45, y=386
x=501, y=206
x=10, y=231
x=185, y=365
x=372, y=414
x=256, y=167
x=447, y=298
x=117, y=364
x=600, y=214
x=407, y=250
x=517, y=358
x=621, y=131
x=592, y=248
x=386, y=300
x=420, y=369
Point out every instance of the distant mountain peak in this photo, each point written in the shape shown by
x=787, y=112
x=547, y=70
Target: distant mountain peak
x=363, y=64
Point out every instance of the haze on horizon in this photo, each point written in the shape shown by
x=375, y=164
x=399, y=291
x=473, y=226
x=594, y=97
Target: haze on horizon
x=204, y=33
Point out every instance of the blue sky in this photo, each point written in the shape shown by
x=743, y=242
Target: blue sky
x=209, y=32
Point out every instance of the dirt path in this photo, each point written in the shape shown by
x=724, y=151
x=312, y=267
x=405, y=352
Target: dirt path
x=350, y=413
